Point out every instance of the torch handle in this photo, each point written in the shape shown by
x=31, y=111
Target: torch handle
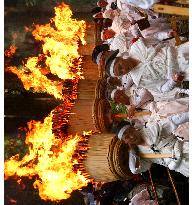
x=136, y=114
x=155, y=155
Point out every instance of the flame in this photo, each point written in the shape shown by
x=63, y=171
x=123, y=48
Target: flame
x=32, y=78
x=61, y=42
x=10, y=51
x=60, y=38
x=50, y=159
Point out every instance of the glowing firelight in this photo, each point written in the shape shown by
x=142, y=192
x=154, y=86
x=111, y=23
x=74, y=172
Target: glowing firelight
x=10, y=51
x=33, y=79
x=50, y=159
x=60, y=40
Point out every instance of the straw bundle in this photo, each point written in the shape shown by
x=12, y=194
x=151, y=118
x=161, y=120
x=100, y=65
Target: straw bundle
x=101, y=108
x=100, y=88
x=104, y=160
x=101, y=71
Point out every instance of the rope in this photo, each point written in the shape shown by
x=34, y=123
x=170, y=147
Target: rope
x=153, y=187
x=174, y=188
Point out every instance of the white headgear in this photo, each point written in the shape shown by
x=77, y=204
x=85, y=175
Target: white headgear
x=122, y=131
x=111, y=70
x=113, y=94
x=99, y=57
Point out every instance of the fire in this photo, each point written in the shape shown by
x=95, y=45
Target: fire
x=61, y=42
x=60, y=38
x=32, y=78
x=10, y=51
x=50, y=160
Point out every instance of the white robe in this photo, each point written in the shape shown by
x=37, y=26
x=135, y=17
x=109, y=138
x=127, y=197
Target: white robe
x=144, y=4
x=162, y=141
x=120, y=24
x=121, y=42
x=126, y=81
x=158, y=63
x=130, y=11
x=160, y=111
x=159, y=29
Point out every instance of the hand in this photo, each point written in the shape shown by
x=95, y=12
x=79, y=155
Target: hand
x=131, y=111
x=178, y=77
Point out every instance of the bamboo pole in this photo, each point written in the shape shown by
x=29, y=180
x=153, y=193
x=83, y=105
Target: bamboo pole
x=165, y=9
x=174, y=188
x=136, y=114
x=153, y=187
x=155, y=155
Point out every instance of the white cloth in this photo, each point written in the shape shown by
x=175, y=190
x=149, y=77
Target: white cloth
x=142, y=98
x=120, y=24
x=159, y=29
x=180, y=118
x=144, y=4
x=138, y=96
x=132, y=13
x=182, y=131
x=120, y=42
x=161, y=140
x=169, y=85
x=168, y=108
x=158, y=63
x=126, y=81
x=142, y=198
x=168, y=92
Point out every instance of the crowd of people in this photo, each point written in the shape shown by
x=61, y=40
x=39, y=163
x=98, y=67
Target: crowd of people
x=144, y=70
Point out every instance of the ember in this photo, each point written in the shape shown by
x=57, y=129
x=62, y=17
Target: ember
x=12, y=201
x=10, y=51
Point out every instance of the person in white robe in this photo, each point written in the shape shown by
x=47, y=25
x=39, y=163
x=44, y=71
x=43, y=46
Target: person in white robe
x=135, y=98
x=159, y=28
x=117, y=41
x=158, y=63
x=122, y=83
x=155, y=138
x=155, y=66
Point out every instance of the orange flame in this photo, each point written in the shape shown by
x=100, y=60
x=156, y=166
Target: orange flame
x=60, y=40
x=32, y=78
x=50, y=159
x=10, y=51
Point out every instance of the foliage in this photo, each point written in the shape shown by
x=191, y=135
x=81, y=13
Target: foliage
x=118, y=108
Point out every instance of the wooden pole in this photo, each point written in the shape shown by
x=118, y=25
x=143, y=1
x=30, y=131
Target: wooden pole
x=155, y=155
x=153, y=188
x=136, y=114
x=174, y=27
x=174, y=188
x=165, y=9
